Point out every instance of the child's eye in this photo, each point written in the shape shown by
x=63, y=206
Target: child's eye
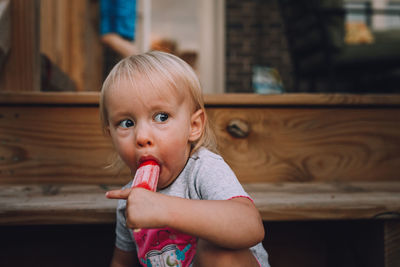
x=161, y=117
x=126, y=123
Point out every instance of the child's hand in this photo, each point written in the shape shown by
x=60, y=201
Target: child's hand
x=144, y=208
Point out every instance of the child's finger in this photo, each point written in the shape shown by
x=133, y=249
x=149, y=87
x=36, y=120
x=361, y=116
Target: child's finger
x=119, y=194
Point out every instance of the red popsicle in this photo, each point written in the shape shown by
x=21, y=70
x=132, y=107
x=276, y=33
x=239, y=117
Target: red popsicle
x=147, y=175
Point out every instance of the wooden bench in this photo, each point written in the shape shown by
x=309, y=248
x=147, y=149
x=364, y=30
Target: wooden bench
x=301, y=157
x=78, y=204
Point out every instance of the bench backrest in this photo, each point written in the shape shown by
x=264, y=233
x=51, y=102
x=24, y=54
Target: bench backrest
x=295, y=138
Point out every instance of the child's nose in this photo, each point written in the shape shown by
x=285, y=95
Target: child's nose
x=144, y=142
x=143, y=137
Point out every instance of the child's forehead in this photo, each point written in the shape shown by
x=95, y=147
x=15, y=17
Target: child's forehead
x=144, y=88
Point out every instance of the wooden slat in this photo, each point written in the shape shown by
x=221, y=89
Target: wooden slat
x=68, y=204
x=299, y=99
x=311, y=144
x=232, y=100
x=326, y=201
x=49, y=98
x=21, y=71
x=70, y=38
x=55, y=204
x=54, y=145
x=64, y=144
x=5, y=29
x=392, y=242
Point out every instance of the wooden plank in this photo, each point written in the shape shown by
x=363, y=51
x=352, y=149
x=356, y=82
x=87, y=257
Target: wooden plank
x=56, y=204
x=392, y=242
x=70, y=38
x=325, y=201
x=49, y=98
x=311, y=144
x=93, y=75
x=223, y=100
x=69, y=204
x=56, y=42
x=298, y=99
x=76, y=16
x=5, y=29
x=65, y=144
x=54, y=145
x=21, y=71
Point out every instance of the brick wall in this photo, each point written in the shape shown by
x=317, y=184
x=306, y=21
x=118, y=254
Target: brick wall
x=254, y=36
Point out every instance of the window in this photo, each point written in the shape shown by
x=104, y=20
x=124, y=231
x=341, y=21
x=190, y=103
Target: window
x=191, y=29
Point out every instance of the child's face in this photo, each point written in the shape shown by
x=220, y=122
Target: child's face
x=146, y=125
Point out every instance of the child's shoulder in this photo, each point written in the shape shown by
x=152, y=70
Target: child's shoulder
x=207, y=161
x=204, y=154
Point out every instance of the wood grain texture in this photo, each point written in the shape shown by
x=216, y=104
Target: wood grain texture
x=305, y=144
x=301, y=100
x=70, y=38
x=392, y=243
x=47, y=143
x=5, y=29
x=55, y=204
x=54, y=145
x=50, y=98
x=310, y=163
x=223, y=100
x=21, y=70
x=69, y=204
x=326, y=201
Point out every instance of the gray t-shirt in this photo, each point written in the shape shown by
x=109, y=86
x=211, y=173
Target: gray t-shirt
x=206, y=176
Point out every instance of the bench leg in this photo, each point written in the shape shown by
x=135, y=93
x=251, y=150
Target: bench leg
x=392, y=243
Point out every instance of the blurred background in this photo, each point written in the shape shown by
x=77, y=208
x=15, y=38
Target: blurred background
x=274, y=46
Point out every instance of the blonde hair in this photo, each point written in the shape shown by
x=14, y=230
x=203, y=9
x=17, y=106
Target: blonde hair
x=154, y=68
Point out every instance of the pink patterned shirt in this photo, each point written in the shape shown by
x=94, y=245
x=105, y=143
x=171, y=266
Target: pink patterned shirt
x=164, y=247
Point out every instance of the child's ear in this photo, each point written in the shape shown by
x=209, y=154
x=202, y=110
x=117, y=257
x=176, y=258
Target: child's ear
x=197, y=125
x=107, y=130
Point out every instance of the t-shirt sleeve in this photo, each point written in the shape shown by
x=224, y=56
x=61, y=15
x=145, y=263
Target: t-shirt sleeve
x=215, y=180
x=118, y=16
x=123, y=239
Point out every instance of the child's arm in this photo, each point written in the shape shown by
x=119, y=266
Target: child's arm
x=231, y=224
x=234, y=224
x=124, y=259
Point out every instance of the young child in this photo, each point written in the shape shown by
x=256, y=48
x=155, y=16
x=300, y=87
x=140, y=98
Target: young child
x=152, y=108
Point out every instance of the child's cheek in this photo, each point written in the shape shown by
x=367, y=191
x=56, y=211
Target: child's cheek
x=125, y=150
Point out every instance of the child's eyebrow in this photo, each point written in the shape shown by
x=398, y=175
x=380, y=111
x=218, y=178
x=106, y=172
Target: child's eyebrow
x=118, y=115
x=162, y=101
x=163, y=106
